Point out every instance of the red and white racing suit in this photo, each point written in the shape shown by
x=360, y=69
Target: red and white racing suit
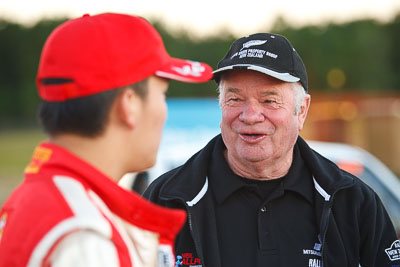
x=68, y=213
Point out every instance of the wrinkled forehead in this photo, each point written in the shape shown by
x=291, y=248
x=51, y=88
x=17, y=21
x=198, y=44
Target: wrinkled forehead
x=236, y=81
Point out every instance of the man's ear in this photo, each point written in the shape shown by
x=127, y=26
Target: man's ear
x=128, y=107
x=303, y=111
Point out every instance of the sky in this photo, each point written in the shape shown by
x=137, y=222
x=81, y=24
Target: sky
x=205, y=17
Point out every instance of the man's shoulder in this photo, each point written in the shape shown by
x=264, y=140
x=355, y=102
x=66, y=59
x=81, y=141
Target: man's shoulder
x=41, y=203
x=359, y=189
x=39, y=212
x=153, y=190
x=35, y=196
x=187, y=177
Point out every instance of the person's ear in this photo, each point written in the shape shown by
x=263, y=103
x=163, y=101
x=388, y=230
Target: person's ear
x=129, y=108
x=303, y=111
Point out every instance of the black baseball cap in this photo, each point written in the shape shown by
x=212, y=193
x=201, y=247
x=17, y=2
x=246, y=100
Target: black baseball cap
x=268, y=53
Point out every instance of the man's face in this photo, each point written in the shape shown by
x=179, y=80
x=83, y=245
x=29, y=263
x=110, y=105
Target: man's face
x=258, y=117
x=151, y=121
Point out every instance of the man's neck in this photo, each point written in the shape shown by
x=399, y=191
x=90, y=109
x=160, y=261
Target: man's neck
x=95, y=151
x=262, y=170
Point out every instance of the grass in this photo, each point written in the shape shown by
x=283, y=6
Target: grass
x=16, y=147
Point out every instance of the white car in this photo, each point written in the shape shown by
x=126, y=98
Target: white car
x=350, y=158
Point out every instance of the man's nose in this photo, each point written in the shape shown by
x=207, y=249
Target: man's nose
x=252, y=112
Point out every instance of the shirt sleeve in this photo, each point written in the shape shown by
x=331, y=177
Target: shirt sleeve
x=380, y=244
x=84, y=249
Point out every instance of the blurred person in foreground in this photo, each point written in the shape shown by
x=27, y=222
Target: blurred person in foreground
x=258, y=195
x=102, y=80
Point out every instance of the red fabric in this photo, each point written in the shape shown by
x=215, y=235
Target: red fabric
x=36, y=206
x=105, y=52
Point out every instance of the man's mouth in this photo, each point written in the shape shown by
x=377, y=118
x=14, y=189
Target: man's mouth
x=252, y=137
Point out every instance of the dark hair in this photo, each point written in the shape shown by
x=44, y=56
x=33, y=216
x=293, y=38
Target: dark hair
x=86, y=116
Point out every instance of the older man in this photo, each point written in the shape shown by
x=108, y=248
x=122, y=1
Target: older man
x=257, y=195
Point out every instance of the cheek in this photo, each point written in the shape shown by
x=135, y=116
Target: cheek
x=281, y=118
x=229, y=115
x=155, y=116
x=226, y=122
x=292, y=128
x=229, y=123
x=161, y=110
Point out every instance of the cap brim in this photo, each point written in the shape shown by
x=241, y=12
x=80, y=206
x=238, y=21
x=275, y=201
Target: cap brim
x=185, y=71
x=286, y=77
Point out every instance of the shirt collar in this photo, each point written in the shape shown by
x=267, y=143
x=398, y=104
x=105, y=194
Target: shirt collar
x=49, y=160
x=223, y=180
x=299, y=178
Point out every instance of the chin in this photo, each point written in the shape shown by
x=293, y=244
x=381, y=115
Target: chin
x=149, y=164
x=143, y=165
x=253, y=159
x=254, y=154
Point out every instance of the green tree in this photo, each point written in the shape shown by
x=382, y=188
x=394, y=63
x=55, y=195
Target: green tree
x=20, y=49
x=365, y=52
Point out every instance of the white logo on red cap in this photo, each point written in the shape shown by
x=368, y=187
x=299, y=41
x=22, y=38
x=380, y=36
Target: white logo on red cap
x=3, y=220
x=192, y=69
x=253, y=43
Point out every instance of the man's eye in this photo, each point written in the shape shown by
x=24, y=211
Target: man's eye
x=269, y=101
x=233, y=99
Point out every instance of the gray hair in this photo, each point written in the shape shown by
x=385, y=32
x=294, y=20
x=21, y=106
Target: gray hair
x=299, y=96
x=298, y=89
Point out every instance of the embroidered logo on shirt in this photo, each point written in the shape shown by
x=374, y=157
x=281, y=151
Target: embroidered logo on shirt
x=314, y=263
x=316, y=251
x=394, y=251
x=3, y=220
x=40, y=156
x=187, y=259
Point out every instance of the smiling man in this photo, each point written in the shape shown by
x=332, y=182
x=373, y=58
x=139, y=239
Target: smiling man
x=260, y=123
x=258, y=195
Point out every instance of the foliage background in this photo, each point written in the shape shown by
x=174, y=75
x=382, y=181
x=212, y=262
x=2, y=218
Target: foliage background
x=363, y=54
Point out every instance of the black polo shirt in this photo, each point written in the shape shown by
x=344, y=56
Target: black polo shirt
x=265, y=223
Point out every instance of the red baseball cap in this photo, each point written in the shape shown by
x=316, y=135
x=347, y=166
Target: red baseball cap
x=93, y=54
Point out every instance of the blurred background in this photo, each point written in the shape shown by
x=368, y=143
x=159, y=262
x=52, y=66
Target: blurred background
x=351, y=50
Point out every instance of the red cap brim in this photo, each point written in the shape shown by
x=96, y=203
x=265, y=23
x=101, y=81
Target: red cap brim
x=185, y=71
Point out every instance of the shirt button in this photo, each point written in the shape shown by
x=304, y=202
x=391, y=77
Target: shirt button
x=263, y=209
